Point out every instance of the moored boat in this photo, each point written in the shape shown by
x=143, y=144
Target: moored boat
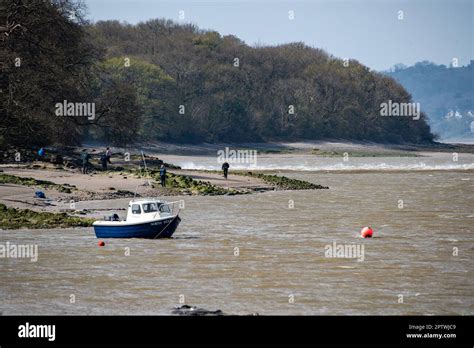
x=146, y=218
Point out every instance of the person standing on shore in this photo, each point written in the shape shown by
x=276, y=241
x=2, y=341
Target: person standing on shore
x=225, y=169
x=108, y=154
x=41, y=153
x=163, y=175
x=85, y=161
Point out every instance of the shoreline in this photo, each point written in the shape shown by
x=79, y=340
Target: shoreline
x=64, y=184
x=63, y=187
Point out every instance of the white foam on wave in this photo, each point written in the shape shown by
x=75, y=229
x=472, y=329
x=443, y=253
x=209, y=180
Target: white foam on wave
x=335, y=167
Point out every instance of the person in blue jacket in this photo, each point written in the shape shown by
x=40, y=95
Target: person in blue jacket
x=41, y=153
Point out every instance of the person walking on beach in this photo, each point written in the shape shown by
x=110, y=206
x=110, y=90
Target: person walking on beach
x=163, y=175
x=225, y=169
x=85, y=161
x=108, y=154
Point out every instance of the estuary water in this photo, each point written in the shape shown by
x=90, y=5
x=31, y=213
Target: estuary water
x=267, y=253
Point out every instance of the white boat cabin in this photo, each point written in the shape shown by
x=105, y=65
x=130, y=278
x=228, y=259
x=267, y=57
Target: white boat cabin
x=147, y=209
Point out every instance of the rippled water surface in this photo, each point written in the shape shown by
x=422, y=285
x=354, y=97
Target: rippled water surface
x=281, y=254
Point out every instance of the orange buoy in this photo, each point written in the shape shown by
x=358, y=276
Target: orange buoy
x=101, y=243
x=366, y=232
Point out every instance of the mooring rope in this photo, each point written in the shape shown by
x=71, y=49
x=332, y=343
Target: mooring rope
x=165, y=227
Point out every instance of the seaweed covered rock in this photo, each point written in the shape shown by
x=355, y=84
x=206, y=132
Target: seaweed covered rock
x=186, y=184
x=12, y=218
x=284, y=183
x=195, y=311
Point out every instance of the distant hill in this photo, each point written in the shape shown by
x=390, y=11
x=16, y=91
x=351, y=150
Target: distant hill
x=446, y=95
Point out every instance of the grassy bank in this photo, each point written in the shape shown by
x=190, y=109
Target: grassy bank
x=12, y=179
x=11, y=218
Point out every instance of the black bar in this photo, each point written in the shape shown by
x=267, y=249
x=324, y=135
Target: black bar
x=140, y=330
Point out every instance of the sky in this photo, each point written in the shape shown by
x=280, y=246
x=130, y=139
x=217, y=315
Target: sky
x=378, y=33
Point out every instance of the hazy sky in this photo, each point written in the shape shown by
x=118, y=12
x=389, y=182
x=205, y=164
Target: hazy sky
x=367, y=30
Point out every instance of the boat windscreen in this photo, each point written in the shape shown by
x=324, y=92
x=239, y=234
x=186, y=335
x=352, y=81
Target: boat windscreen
x=165, y=208
x=149, y=207
x=136, y=209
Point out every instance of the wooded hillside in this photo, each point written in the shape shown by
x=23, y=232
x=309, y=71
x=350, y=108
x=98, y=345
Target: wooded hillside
x=161, y=80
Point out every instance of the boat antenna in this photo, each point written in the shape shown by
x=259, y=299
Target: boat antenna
x=146, y=169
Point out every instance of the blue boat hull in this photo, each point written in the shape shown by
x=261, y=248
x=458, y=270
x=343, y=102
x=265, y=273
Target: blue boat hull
x=150, y=230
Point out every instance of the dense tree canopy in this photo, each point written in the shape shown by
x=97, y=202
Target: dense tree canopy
x=160, y=80
x=46, y=57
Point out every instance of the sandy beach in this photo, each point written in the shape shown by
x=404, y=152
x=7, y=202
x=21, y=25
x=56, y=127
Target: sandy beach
x=100, y=185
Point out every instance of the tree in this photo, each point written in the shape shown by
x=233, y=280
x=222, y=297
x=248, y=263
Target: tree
x=46, y=58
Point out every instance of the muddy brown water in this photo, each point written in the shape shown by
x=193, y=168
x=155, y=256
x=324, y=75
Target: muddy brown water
x=421, y=251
